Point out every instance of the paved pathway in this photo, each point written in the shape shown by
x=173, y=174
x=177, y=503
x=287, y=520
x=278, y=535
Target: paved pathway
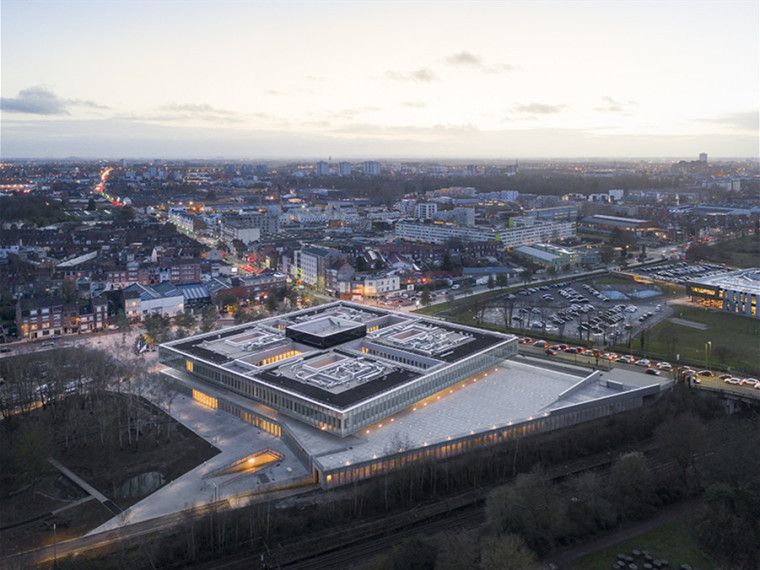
x=566, y=558
x=107, y=503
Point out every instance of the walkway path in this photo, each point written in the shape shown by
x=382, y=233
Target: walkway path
x=107, y=503
x=566, y=558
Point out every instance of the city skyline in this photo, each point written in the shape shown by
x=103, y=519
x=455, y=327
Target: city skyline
x=358, y=79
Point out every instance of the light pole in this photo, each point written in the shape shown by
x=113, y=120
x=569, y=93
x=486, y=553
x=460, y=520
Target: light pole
x=54, y=547
x=708, y=348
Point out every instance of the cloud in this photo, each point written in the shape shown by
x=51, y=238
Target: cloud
x=414, y=104
x=178, y=112
x=744, y=121
x=352, y=113
x=609, y=105
x=39, y=100
x=195, y=109
x=405, y=132
x=465, y=58
x=538, y=109
x=423, y=74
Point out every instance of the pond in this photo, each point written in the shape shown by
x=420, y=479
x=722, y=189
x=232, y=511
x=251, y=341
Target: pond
x=139, y=485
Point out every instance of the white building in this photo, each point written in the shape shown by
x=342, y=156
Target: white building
x=371, y=168
x=377, y=285
x=232, y=230
x=425, y=211
x=344, y=169
x=322, y=168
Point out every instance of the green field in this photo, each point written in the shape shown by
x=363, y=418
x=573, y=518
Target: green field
x=673, y=542
x=742, y=252
x=735, y=340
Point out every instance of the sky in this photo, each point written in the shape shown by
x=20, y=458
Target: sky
x=359, y=79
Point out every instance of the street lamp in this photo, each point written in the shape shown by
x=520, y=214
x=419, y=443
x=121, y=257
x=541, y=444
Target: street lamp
x=708, y=348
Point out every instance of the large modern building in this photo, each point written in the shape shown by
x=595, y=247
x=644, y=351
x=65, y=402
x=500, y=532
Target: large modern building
x=736, y=292
x=440, y=232
x=356, y=391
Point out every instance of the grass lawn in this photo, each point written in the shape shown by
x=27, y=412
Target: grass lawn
x=612, y=280
x=673, y=542
x=742, y=252
x=735, y=339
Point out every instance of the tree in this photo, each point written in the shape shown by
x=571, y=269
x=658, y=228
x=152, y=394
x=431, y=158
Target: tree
x=125, y=213
x=91, y=207
x=243, y=316
x=630, y=486
x=501, y=280
x=446, y=264
x=185, y=321
x=682, y=439
x=69, y=290
x=123, y=323
x=531, y=507
x=240, y=247
x=208, y=318
x=491, y=283
x=607, y=253
x=425, y=297
x=526, y=275
x=507, y=552
x=588, y=511
x=227, y=302
x=157, y=328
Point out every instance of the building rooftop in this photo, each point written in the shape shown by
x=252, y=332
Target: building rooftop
x=745, y=280
x=338, y=354
x=505, y=395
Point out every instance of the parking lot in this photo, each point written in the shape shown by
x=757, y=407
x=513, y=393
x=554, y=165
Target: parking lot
x=681, y=272
x=606, y=314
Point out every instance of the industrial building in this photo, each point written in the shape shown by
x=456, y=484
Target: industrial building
x=355, y=391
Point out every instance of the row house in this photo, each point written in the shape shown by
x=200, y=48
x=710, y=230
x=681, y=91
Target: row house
x=254, y=287
x=40, y=317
